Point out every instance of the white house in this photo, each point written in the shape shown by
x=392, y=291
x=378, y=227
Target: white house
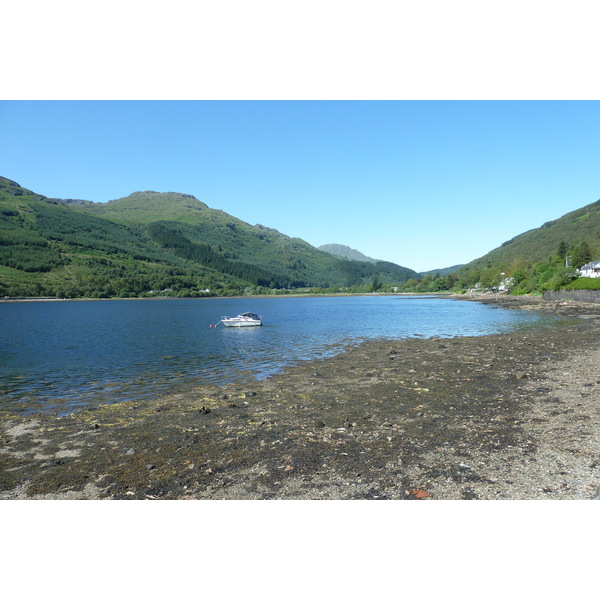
x=591, y=269
x=506, y=284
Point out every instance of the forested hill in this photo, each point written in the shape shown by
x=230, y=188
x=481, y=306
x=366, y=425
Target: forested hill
x=155, y=243
x=543, y=258
x=582, y=225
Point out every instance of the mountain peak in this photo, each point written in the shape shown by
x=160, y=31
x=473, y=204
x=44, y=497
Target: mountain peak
x=152, y=195
x=346, y=252
x=171, y=194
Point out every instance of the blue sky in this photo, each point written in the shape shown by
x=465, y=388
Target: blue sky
x=425, y=184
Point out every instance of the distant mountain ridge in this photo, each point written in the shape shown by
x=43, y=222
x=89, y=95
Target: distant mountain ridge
x=352, y=254
x=346, y=252
x=442, y=272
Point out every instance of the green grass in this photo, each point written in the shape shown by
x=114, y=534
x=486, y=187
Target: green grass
x=584, y=283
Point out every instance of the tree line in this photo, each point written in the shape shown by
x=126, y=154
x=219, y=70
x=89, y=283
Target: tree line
x=519, y=277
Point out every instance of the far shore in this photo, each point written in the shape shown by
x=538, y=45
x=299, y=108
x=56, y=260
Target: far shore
x=504, y=416
x=247, y=297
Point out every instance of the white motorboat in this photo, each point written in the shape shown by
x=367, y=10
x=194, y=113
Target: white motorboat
x=246, y=319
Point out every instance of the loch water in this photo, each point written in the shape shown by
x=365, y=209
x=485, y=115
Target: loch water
x=62, y=356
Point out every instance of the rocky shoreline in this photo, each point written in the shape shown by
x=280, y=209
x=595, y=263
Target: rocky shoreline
x=507, y=416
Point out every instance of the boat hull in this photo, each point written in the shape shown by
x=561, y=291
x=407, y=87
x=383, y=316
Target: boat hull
x=247, y=319
x=241, y=323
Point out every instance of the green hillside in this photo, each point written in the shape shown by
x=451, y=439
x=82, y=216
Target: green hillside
x=581, y=225
x=240, y=242
x=149, y=242
x=544, y=258
x=538, y=260
x=541, y=259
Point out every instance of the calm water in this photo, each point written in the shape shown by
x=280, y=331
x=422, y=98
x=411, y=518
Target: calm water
x=63, y=355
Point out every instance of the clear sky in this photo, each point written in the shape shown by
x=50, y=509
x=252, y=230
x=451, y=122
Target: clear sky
x=425, y=184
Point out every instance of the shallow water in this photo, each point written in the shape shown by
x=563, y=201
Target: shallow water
x=60, y=356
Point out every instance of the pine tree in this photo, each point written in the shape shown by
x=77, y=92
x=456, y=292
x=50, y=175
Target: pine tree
x=580, y=255
x=376, y=285
x=563, y=248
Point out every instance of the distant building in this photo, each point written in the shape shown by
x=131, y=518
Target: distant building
x=506, y=284
x=591, y=269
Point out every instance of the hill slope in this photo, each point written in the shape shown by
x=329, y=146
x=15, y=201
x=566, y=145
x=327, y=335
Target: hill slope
x=240, y=242
x=152, y=241
x=538, y=244
x=545, y=258
x=537, y=259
